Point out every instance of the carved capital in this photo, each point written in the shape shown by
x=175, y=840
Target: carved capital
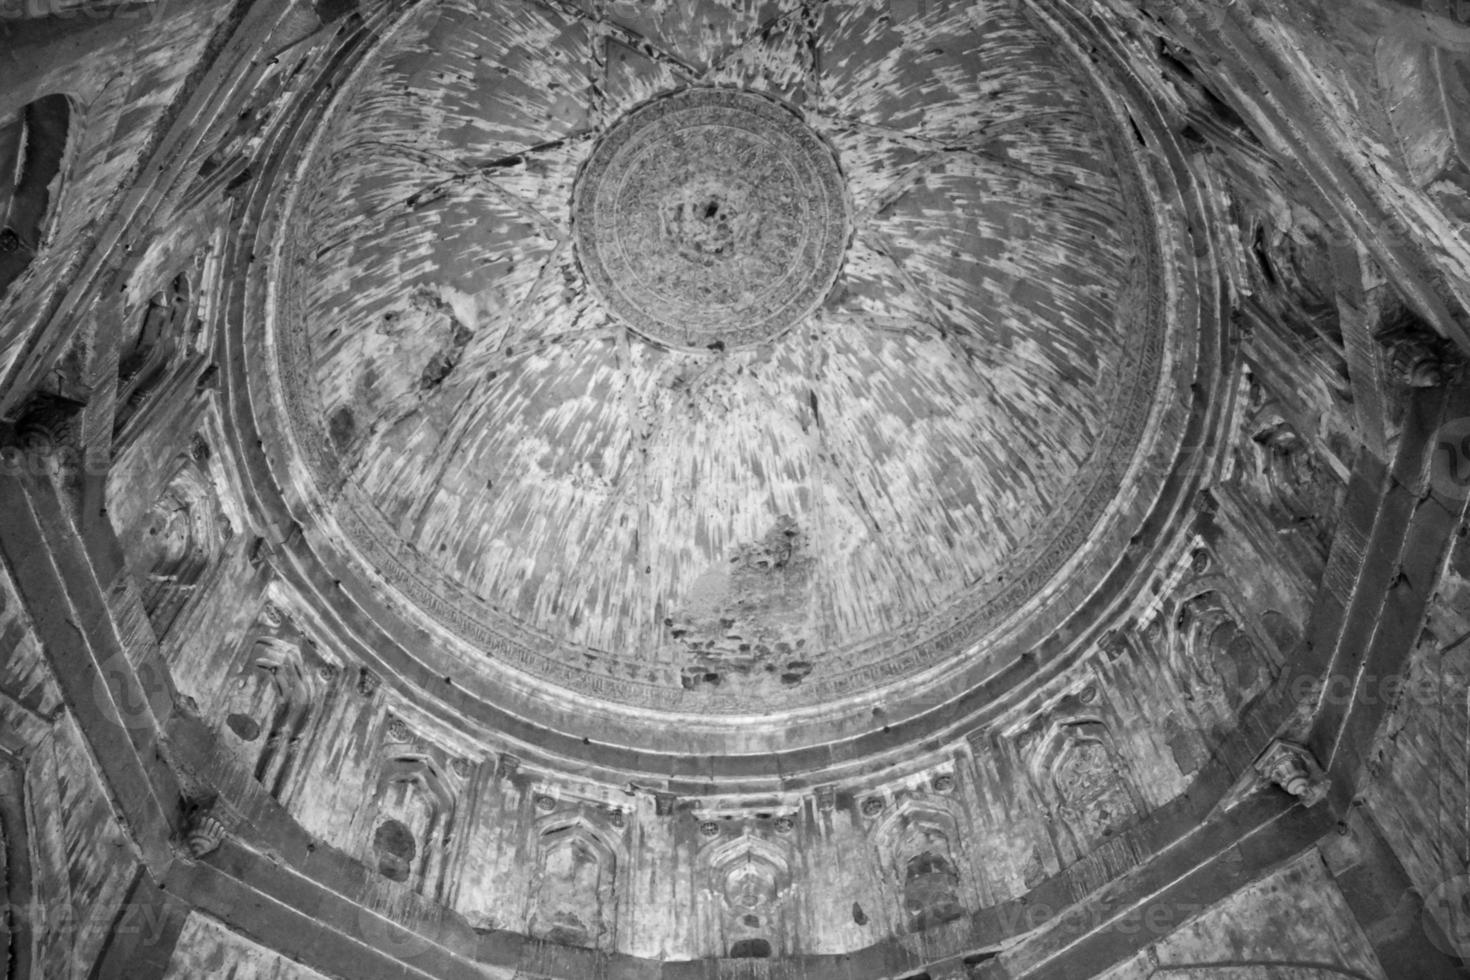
x=1294, y=769
x=1423, y=359
x=203, y=831
x=271, y=616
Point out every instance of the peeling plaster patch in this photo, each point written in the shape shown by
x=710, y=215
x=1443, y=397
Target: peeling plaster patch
x=752, y=616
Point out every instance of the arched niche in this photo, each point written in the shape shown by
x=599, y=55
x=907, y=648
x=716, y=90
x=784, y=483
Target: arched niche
x=1213, y=650
x=1085, y=781
x=746, y=897
x=413, y=792
x=180, y=541
x=33, y=146
x=149, y=349
x=270, y=706
x=574, y=891
x=298, y=695
x=1291, y=477
x=919, y=849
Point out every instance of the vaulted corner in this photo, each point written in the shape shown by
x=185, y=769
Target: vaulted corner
x=740, y=490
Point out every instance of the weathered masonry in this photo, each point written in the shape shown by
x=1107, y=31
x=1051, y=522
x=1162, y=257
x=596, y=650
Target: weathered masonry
x=735, y=489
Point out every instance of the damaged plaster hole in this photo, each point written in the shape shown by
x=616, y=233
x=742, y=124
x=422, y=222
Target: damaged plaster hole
x=342, y=428
x=246, y=728
x=706, y=222
x=746, y=618
x=750, y=949
x=394, y=846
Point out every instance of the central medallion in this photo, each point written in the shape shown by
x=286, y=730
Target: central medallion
x=711, y=218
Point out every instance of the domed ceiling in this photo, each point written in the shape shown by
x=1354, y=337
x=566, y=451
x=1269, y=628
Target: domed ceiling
x=723, y=359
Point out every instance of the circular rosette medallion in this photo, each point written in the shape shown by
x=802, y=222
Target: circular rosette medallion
x=711, y=218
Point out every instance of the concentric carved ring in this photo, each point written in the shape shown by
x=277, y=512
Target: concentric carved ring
x=711, y=218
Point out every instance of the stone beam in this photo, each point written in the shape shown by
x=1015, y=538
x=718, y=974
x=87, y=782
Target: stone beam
x=74, y=624
x=313, y=925
x=142, y=939
x=1398, y=573
x=1244, y=845
x=1365, y=363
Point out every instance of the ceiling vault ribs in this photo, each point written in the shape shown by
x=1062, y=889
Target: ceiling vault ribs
x=804, y=15
x=918, y=171
x=450, y=444
x=601, y=24
x=477, y=177
x=878, y=242
x=919, y=140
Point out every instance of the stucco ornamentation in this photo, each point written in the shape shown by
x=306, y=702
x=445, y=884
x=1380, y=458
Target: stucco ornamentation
x=711, y=218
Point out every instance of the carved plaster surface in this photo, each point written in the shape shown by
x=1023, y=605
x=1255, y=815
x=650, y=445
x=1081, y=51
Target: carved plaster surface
x=711, y=218
x=563, y=397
